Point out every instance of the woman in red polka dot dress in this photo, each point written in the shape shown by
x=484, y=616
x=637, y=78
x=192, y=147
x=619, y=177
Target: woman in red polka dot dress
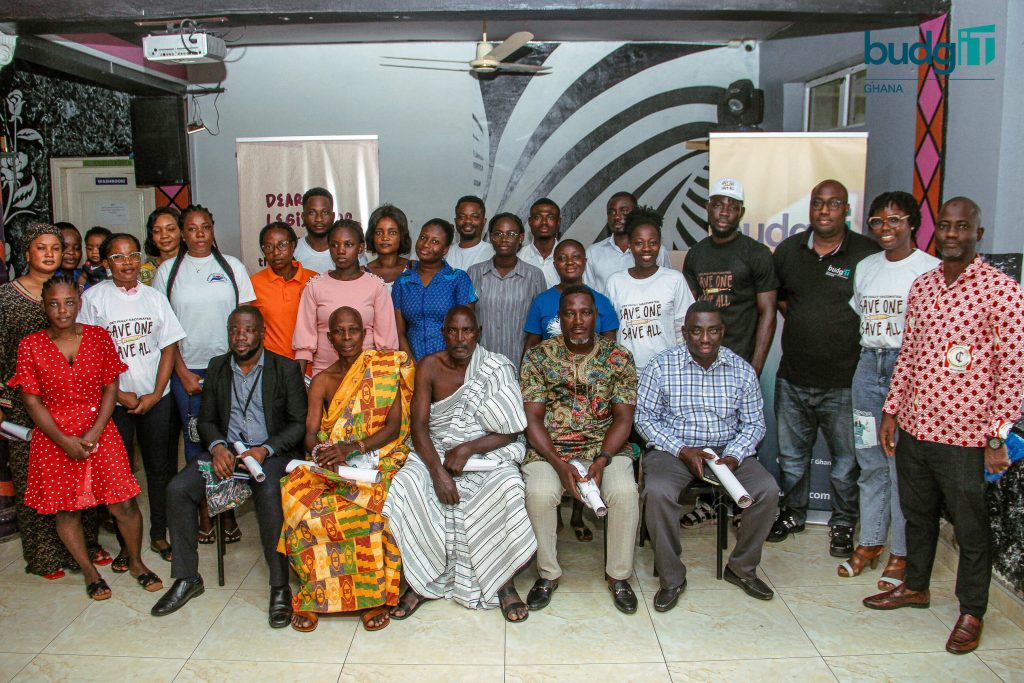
x=68, y=376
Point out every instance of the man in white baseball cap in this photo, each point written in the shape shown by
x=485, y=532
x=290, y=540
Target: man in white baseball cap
x=736, y=274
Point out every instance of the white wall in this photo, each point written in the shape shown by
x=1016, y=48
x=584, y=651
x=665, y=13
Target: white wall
x=429, y=141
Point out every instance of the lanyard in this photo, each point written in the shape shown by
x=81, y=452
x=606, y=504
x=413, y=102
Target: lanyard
x=248, y=400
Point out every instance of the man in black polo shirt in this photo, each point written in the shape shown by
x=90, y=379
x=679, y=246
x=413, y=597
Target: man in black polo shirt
x=820, y=349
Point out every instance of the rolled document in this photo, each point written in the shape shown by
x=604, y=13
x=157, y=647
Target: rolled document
x=478, y=464
x=16, y=431
x=589, y=491
x=729, y=481
x=350, y=473
x=250, y=462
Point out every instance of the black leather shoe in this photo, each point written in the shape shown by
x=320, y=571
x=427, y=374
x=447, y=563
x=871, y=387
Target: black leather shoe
x=755, y=587
x=280, y=606
x=666, y=598
x=177, y=595
x=785, y=525
x=539, y=596
x=623, y=596
x=841, y=544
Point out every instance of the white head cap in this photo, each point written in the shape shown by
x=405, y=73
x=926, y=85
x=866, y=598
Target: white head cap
x=727, y=187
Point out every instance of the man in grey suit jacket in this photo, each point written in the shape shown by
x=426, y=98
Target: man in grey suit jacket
x=258, y=398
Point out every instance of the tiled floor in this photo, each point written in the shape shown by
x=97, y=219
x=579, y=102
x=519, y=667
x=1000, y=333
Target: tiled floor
x=814, y=630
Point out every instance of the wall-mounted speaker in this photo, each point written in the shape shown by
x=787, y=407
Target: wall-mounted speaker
x=159, y=141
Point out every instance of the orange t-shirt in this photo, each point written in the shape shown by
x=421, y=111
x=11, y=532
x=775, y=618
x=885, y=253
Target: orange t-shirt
x=278, y=301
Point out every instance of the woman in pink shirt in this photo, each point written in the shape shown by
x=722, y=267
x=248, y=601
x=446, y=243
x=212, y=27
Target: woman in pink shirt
x=346, y=285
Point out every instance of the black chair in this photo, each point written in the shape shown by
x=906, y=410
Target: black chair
x=218, y=522
x=722, y=503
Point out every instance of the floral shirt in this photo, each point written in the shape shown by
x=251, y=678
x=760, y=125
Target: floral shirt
x=579, y=392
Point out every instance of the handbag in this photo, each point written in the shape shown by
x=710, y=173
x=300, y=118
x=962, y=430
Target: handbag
x=222, y=494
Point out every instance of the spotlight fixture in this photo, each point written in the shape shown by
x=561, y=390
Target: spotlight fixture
x=742, y=105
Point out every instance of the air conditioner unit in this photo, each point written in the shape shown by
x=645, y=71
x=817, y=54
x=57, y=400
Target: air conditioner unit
x=184, y=48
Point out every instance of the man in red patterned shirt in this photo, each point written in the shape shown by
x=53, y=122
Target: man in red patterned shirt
x=956, y=390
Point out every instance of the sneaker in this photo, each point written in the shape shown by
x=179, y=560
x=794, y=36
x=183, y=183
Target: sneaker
x=785, y=525
x=841, y=543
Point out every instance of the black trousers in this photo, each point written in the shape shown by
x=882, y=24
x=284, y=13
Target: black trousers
x=188, y=490
x=157, y=432
x=933, y=475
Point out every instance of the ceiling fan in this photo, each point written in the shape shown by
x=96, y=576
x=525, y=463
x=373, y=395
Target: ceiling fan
x=489, y=56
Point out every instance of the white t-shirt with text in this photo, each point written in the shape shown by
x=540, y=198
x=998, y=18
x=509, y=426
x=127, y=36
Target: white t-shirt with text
x=140, y=322
x=880, y=289
x=651, y=311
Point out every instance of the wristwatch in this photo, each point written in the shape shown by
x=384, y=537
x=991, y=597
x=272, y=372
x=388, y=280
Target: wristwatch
x=995, y=443
x=606, y=455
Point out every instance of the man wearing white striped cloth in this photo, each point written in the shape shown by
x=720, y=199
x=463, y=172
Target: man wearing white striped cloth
x=457, y=508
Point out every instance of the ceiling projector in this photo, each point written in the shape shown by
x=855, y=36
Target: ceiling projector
x=184, y=48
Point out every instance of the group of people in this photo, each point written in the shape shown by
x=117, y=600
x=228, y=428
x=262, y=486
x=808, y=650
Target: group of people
x=486, y=379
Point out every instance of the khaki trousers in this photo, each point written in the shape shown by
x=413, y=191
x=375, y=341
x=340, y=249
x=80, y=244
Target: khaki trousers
x=618, y=489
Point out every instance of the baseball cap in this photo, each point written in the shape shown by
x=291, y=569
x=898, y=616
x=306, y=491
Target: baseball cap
x=727, y=187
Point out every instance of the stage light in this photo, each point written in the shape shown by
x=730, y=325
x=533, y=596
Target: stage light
x=741, y=105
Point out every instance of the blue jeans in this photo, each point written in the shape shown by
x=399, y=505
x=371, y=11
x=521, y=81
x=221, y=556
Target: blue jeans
x=799, y=413
x=188, y=406
x=879, y=495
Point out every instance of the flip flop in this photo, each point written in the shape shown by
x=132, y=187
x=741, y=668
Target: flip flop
x=207, y=537
x=97, y=586
x=369, y=615
x=517, y=604
x=403, y=604
x=53, y=576
x=164, y=553
x=583, y=533
x=101, y=558
x=232, y=536
x=311, y=616
x=120, y=564
x=150, y=581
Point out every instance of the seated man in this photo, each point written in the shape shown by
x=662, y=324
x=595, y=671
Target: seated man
x=463, y=535
x=256, y=397
x=579, y=391
x=334, y=535
x=694, y=396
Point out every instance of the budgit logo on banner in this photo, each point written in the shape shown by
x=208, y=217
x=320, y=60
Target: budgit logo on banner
x=975, y=47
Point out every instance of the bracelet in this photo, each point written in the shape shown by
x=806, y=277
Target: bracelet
x=606, y=455
x=316, y=449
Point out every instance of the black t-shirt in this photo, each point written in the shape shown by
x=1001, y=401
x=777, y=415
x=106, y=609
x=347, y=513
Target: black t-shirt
x=821, y=335
x=731, y=276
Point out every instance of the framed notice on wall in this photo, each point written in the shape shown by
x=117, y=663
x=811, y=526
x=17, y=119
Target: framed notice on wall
x=274, y=172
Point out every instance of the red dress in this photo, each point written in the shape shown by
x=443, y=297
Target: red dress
x=72, y=393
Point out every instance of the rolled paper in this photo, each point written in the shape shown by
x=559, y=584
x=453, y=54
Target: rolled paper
x=16, y=431
x=350, y=473
x=250, y=462
x=589, y=491
x=729, y=481
x=478, y=464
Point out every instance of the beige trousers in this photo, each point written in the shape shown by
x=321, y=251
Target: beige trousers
x=618, y=489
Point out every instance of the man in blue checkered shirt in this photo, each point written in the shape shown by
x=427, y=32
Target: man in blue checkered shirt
x=694, y=396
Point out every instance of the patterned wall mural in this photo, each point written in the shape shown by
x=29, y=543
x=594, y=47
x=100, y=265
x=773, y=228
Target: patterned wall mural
x=611, y=116
x=51, y=115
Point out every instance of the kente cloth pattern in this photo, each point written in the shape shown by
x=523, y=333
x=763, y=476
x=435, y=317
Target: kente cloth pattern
x=466, y=552
x=334, y=535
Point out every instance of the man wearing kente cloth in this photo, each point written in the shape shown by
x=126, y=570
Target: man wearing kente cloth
x=334, y=534
x=463, y=534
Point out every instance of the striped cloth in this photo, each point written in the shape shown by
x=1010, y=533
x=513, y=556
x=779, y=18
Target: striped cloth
x=466, y=552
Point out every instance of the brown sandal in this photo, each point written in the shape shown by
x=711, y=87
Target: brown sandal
x=863, y=555
x=894, y=573
x=311, y=617
x=372, y=613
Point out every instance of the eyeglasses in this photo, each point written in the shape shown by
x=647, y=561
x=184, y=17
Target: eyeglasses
x=121, y=258
x=505, y=234
x=891, y=221
x=832, y=204
x=280, y=246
